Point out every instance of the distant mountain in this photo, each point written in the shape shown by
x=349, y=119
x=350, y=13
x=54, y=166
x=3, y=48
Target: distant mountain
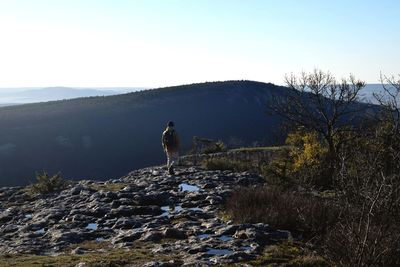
x=370, y=89
x=106, y=137
x=7, y=104
x=34, y=95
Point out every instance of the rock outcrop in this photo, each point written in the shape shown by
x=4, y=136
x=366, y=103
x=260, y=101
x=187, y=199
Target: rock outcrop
x=179, y=214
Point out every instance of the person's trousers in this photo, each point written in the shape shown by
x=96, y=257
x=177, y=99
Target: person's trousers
x=172, y=158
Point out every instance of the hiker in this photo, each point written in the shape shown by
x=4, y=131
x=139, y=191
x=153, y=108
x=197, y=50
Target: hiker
x=170, y=144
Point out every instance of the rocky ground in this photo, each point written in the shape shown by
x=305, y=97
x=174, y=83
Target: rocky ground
x=177, y=215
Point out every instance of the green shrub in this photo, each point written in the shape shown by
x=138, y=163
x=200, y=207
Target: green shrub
x=48, y=184
x=226, y=164
x=302, y=162
x=277, y=172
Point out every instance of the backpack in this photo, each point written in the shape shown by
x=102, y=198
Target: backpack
x=169, y=139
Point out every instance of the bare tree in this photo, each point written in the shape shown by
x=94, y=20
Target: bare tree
x=389, y=100
x=368, y=179
x=318, y=102
x=389, y=121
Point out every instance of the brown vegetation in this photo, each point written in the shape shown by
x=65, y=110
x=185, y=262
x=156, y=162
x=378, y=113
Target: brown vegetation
x=48, y=184
x=359, y=160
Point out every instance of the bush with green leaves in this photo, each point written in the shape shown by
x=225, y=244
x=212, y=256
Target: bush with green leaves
x=277, y=171
x=302, y=162
x=46, y=183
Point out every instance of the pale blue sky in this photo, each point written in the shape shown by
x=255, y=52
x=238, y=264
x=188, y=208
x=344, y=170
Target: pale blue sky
x=89, y=43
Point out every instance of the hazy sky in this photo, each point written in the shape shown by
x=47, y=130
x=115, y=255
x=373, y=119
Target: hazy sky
x=88, y=43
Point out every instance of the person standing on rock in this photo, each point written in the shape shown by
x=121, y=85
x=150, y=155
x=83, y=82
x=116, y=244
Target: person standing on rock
x=170, y=143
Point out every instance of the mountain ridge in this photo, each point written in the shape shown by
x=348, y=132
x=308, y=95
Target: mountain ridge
x=105, y=137
x=54, y=93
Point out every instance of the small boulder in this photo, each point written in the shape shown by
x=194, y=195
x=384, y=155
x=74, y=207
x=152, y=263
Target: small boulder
x=174, y=233
x=153, y=236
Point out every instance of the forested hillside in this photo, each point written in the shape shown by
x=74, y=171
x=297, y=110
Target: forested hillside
x=106, y=137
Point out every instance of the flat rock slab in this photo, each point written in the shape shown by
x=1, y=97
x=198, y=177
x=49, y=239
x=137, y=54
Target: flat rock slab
x=179, y=214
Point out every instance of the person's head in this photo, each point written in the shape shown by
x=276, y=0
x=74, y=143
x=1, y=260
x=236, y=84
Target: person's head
x=170, y=124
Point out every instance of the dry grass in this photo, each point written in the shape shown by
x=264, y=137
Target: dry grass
x=136, y=255
x=108, y=187
x=289, y=254
x=301, y=214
